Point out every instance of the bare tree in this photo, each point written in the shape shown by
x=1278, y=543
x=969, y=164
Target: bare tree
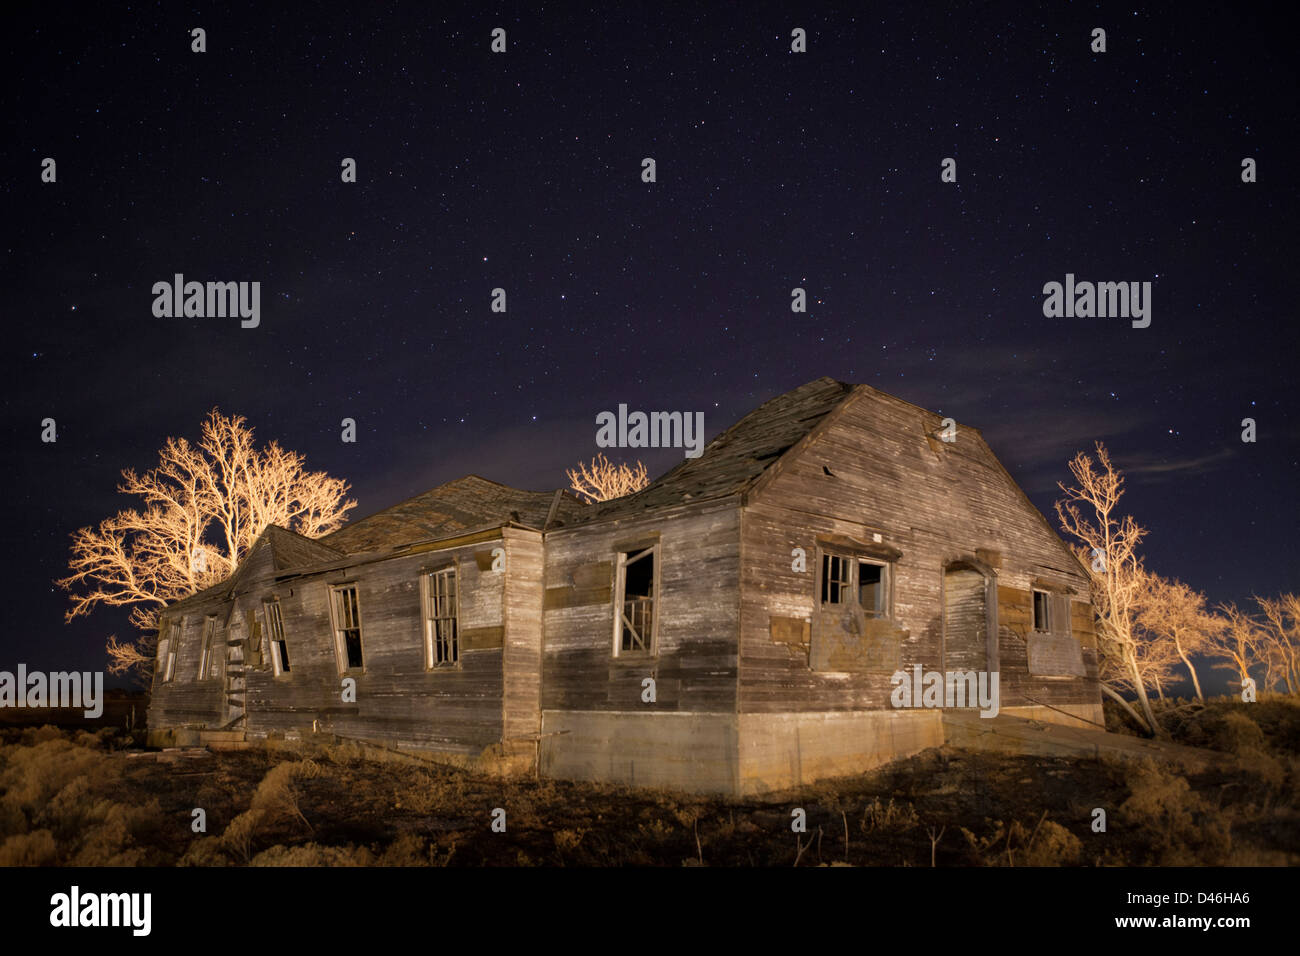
x=1281, y=635
x=604, y=480
x=1109, y=552
x=201, y=508
x=1240, y=644
x=1157, y=665
x=1177, y=617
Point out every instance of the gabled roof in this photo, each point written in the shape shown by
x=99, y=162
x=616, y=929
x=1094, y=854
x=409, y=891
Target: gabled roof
x=735, y=459
x=292, y=550
x=731, y=464
x=466, y=503
x=288, y=550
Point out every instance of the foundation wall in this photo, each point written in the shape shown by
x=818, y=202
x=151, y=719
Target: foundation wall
x=692, y=752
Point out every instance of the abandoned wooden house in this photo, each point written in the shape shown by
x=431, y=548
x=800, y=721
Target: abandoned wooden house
x=738, y=626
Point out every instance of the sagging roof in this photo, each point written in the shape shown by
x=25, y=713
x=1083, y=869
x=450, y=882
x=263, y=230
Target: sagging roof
x=728, y=465
x=288, y=550
x=735, y=459
x=460, y=505
x=292, y=550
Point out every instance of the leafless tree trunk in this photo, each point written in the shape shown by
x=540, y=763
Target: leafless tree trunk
x=1109, y=553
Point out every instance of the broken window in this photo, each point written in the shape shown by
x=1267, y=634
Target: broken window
x=853, y=581
x=441, y=643
x=347, y=627
x=209, y=632
x=836, y=573
x=167, y=651
x=873, y=583
x=1042, y=613
x=635, y=601
x=275, y=631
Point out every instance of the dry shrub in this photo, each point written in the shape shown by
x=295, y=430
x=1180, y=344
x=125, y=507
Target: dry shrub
x=345, y=753
x=311, y=854
x=1046, y=844
x=876, y=816
x=422, y=795
x=12, y=819
x=1052, y=845
x=92, y=740
x=38, y=735
x=53, y=784
x=1179, y=826
x=1212, y=725
x=274, y=804
x=117, y=838
x=93, y=831
x=568, y=840
x=1237, y=732
x=73, y=810
x=205, y=851
x=1239, y=735
x=409, y=849
x=525, y=812
x=33, y=774
x=29, y=849
x=657, y=830
x=687, y=816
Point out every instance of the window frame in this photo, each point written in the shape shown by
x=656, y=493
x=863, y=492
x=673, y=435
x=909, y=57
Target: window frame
x=886, y=611
x=279, y=646
x=209, y=637
x=850, y=586
x=622, y=559
x=428, y=620
x=345, y=666
x=172, y=644
x=845, y=584
x=1047, y=611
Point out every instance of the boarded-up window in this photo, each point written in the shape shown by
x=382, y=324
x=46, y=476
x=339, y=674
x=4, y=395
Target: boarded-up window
x=347, y=627
x=275, y=633
x=634, y=603
x=441, y=637
x=209, y=632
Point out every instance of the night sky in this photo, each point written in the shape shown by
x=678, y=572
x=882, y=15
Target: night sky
x=523, y=171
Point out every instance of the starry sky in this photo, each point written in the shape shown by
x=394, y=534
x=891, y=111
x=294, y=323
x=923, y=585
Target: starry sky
x=522, y=171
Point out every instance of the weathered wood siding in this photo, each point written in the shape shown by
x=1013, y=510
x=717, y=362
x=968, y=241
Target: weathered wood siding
x=965, y=615
x=188, y=700
x=697, y=604
x=876, y=468
x=522, y=654
x=452, y=709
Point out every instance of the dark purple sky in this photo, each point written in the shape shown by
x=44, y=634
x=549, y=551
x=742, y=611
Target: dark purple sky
x=522, y=171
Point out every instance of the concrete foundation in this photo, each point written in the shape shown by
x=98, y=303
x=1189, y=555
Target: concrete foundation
x=1010, y=733
x=693, y=752
x=1077, y=715
x=730, y=754
x=782, y=751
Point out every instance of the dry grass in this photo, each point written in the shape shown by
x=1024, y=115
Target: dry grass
x=80, y=799
x=274, y=806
